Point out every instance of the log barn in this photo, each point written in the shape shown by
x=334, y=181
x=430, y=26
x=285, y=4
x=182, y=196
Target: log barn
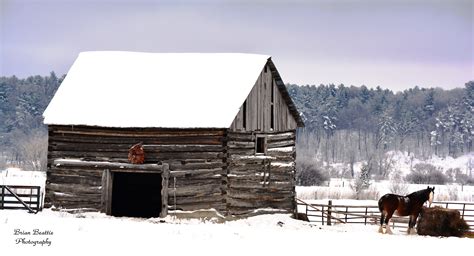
x=217, y=129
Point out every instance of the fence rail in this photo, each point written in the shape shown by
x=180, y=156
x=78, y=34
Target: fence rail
x=328, y=214
x=21, y=197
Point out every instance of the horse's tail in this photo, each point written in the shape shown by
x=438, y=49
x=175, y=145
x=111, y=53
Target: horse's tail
x=382, y=215
x=381, y=203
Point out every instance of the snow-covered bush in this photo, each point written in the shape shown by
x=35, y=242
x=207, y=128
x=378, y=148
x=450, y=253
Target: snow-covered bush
x=464, y=179
x=426, y=174
x=309, y=174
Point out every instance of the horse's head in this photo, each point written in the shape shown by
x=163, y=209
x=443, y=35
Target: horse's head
x=430, y=192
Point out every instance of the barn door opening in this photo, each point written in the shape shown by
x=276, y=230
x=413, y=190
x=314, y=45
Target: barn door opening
x=136, y=194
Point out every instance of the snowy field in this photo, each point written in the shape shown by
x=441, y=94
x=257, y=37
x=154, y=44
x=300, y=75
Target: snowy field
x=273, y=234
x=341, y=189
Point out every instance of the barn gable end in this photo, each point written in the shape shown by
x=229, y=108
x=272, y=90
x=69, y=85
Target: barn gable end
x=267, y=107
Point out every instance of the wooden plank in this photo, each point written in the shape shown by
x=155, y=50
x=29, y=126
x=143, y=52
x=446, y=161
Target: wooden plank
x=164, y=190
x=104, y=147
x=210, y=198
x=134, y=132
x=286, y=185
x=107, y=165
x=183, y=148
x=240, y=137
x=257, y=178
x=91, y=198
x=27, y=195
x=104, y=192
x=197, y=140
x=280, y=136
x=175, y=166
x=184, y=182
x=75, y=188
x=255, y=204
x=197, y=190
x=241, y=144
x=219, y=206
x=77, y=171
x=284, y=143
x=26, y=201
x=72, y=179
x=198, y=173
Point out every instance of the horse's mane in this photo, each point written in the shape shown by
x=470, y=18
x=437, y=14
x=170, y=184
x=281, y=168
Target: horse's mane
x=420, y=193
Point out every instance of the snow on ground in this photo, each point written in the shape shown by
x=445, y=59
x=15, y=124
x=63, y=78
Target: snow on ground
x=272, y=234
x=16, y=176
x=341, y=189
x=404, y=162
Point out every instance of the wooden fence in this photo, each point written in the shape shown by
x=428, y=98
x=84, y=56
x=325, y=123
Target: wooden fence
x=21, y=197
x=329, y=214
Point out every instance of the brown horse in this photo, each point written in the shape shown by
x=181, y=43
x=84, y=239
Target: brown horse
x=409, y=205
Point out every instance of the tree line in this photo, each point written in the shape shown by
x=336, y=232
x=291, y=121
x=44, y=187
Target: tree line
x=343, y=123
x=23, y=137
x=346, y=124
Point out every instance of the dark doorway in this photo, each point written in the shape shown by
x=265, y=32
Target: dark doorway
x=136, y=194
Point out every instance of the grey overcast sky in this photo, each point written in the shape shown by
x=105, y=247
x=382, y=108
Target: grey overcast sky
x=395, y=44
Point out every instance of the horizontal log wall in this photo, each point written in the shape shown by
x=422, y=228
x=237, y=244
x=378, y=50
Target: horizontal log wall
x=77, y=184
x=260, y=181
x=196, y=158
x=209, y=168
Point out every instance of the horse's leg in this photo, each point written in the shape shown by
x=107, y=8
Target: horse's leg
x=387, y=220
x=411, y=227
x=382, y=218
x=410, y=221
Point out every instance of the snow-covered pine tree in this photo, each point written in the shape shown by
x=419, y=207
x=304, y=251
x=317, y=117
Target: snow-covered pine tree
x=362, y=182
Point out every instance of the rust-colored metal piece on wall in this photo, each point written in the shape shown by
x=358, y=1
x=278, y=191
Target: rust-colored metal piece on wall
x=136, y=154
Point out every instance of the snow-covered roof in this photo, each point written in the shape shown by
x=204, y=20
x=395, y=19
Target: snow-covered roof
x=170, y=90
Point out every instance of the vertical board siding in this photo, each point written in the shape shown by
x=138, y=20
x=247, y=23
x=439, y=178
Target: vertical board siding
x=259, y=108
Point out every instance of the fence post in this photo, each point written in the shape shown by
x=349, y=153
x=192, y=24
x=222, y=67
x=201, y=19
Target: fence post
x=38, y=198
x=365, y=217
x=3, y=197
x=463, y=208
x=329, y=213
x=346, y=214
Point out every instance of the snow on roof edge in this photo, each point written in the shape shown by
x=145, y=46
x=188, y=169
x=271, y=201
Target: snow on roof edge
x=205, y=68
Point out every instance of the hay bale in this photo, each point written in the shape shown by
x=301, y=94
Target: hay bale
x=136, y=154
x=439, y=221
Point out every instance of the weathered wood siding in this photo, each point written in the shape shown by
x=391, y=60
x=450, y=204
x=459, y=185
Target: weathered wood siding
x=264, y=99
x=262, y=180
x=76, y=184
x=196, y=159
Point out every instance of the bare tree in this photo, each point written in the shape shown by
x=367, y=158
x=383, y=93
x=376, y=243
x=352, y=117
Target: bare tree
x=397, y=185
x=33, y=150
x=3, y=161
